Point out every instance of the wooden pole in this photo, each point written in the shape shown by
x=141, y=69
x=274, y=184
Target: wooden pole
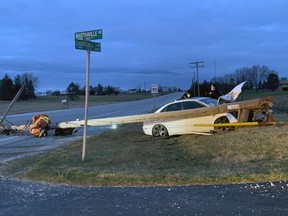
x=12, y=102
x=257, y=104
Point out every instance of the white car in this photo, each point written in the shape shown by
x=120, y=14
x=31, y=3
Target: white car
x=164, y=128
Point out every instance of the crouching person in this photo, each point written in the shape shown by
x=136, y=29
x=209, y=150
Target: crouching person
x=40, y=125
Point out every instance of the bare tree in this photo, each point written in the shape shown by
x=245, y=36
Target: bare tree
x=31, y=78
x=242, y=74
x=256, y=77
x=258, y=74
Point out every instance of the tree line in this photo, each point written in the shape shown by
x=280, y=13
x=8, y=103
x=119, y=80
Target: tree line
x=257, y=77
x=110, y=90
x=9, y=87
x=73, y=90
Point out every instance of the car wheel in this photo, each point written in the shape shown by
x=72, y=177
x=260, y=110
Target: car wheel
x=222, y=120
x=159, y=131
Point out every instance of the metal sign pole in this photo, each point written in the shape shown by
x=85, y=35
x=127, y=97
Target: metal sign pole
x=154, y=91
x=154, y=95
x=83, y=42
x=86, y=105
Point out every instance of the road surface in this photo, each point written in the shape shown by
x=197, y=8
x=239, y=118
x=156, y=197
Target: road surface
x=14, y=147
x=29, y=198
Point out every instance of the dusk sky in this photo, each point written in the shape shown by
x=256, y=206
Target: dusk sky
x=144, y=41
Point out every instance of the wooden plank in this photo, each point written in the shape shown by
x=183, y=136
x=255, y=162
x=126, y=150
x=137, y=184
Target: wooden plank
x=244, y=115
x=259, y=104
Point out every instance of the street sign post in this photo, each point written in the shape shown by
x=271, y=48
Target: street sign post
x=89, y=35
x=154, y=92
x=82, y=42
x=154, y=88
x=87, y=45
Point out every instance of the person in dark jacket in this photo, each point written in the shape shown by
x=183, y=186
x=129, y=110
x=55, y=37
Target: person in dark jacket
x=213, y=93
x=187, y=94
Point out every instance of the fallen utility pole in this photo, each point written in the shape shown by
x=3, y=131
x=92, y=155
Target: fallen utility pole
x=12, y=103
x=241, y=124
x=243, y=109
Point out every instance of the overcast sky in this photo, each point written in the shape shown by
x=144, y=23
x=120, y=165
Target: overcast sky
x=144, y=41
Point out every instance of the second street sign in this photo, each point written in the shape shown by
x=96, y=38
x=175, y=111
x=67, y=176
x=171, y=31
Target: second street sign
x=87, y=45
x=89, y=35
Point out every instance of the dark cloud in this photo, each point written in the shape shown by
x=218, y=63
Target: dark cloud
x=143, y=42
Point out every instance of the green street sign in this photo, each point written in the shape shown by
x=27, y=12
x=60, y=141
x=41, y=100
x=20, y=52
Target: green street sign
x=89, y=35
x=87, y=45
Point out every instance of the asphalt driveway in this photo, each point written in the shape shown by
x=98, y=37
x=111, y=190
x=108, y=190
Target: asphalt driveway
x=29, y=198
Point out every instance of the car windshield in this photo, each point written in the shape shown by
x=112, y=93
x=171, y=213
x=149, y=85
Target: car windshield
x=192, y=104
x=209, y=101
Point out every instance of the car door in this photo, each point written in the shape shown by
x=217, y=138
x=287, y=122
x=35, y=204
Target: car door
x=186, y=125
x=189, y=122
x=174, y=126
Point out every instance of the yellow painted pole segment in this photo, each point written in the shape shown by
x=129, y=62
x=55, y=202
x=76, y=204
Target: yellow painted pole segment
x=236, y=124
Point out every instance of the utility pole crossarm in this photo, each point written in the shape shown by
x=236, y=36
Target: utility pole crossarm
x=198, y=62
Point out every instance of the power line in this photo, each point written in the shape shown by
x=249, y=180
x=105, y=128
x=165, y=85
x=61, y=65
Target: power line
x=197, y=65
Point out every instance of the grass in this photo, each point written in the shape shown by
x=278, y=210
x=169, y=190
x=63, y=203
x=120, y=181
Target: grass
x=127, y=157
x=46, y=103
x=252, y=94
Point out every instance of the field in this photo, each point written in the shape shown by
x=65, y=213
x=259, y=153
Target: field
x=46, y=103
x=128, y=157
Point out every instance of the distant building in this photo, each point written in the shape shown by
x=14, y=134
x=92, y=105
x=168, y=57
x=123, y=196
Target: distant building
x=63, y=93
x=283, y=84
x=41, y=94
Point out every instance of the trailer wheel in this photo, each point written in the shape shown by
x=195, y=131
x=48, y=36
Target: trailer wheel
x=222, y=120
x=159, y=131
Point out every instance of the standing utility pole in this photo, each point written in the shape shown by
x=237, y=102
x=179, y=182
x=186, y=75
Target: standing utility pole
x=197, y=64
x=214, y=68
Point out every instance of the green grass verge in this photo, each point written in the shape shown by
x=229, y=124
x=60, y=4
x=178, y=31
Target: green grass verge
x=252, y=94
x=127, y=157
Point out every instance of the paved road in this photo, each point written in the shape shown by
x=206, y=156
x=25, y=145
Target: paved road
x=13, y=147
x=28, y=198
